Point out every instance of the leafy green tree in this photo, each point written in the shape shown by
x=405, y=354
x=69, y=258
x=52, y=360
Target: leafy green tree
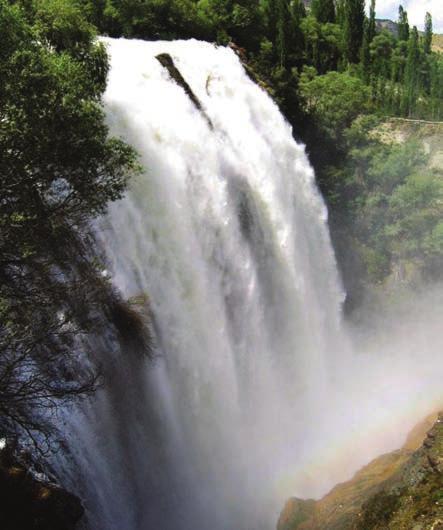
x=412, y=75
x=340, y=12
x=158, y=19
x=368, y=35
x=398, y=61
x=381, y=52
x=371, y=22
x=427, y=39
x=334, y=99
x=436, y=89
x=331, y=47
x=415, y=214
x=323, y=10
x=366, y=55
x=246, y=23
x=390, y=165
x=297, y=38
x=403, y=24
x=311, y=28
x=353, y=29
x=58, y=169
x=282, y=31
x=278, y=18
x=323, y=44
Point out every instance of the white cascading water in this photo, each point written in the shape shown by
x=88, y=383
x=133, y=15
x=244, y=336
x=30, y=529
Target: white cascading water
x=226, y=234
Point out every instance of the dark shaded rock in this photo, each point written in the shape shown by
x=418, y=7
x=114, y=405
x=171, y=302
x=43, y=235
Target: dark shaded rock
x=132, y=321
x=166, y=61
x=28, y=503
x=250, y=72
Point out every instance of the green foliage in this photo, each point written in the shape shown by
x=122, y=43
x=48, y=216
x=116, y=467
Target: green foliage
x=403, y=24
x=427, y=40
x=390, y=165
x=365, y=55
x=333, y=37
x=381, y=49
x=371, y=22
x=61, y=23
x=412, y=75
x=58, y=168
x=334, y=99
x=323, y=10
x=394, y=204
x=415, y=213
x=354, y=14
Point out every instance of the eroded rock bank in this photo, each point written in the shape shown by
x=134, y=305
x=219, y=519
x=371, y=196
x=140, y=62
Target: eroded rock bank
x=402, y=490
x=30, y=503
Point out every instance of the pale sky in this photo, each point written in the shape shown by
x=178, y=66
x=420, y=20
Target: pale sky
x=416, y=11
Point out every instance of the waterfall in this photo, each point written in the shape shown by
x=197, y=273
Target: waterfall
x=226, y=235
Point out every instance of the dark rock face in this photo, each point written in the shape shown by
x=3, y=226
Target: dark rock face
x=30, y=504
x=166, y=61
x=402, y=490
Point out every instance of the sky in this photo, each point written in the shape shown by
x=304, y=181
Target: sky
x=416, y=11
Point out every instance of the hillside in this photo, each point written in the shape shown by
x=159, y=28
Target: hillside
x=386, y=24
x=437, y=43
x=392, y=27
x=428, y=134
x=396, y=491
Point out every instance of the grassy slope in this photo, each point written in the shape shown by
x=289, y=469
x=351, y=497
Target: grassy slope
x=397, y=491
x=437, y=43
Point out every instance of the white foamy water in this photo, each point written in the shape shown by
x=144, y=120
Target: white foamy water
x=226, y=234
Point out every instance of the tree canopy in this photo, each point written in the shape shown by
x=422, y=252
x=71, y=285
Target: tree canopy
x=58, y=168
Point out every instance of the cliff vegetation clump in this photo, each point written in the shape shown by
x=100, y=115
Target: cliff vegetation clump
x=58, y=169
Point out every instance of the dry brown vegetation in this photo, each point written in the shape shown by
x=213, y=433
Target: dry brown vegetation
x=391, y=493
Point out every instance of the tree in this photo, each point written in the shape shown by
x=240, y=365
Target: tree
x=371, y=22
x=334, y=99
x=381, y=53
x=323, y=10
x=311, y=28
x=436, y=89
x=340, y=12
x=427, y=39
x=403, y=25
x=58, y=168
x=412, y=74
x=353, y=29
x=415, y=213
x=366, y=55
x=297, y=38
x=278, y=16
x=398, y=61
